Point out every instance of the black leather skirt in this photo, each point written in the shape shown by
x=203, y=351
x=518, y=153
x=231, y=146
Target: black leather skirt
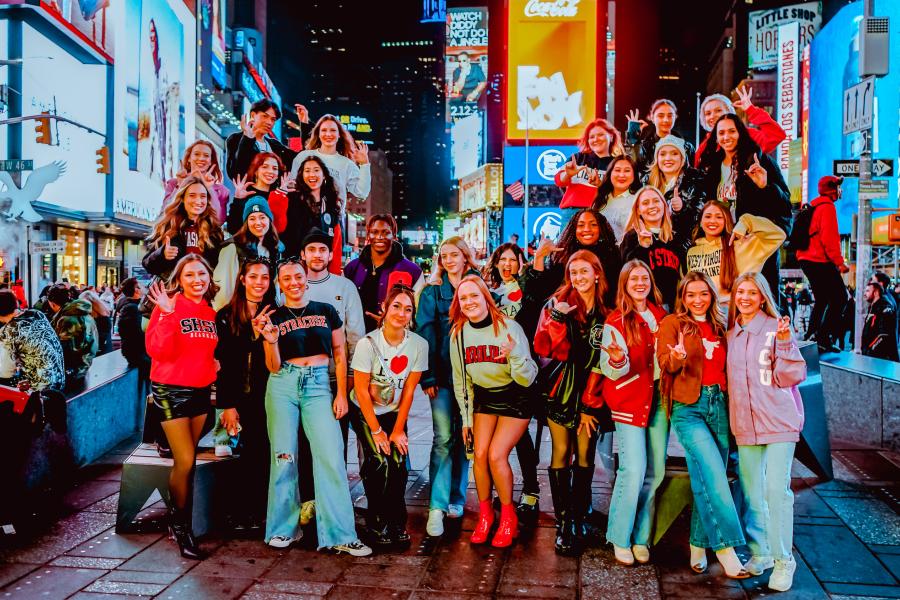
x=178, y=402
x=511, y=400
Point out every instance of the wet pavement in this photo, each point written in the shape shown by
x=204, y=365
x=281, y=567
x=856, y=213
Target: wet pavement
x=847, y=545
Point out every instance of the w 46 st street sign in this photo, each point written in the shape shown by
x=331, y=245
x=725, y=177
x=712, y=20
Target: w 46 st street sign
x=881, y=167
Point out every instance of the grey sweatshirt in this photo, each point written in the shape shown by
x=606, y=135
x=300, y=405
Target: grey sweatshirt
x=340, y=292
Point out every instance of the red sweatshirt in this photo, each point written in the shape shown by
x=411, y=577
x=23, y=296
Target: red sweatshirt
x=182, y=344
x=824, y=239
x=766, y=132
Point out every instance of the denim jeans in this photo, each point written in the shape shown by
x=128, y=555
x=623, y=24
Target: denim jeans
x=220, y=434
x=449, y=468
x=702, y=429
x=642, y=467
x=303, y=393
x=765, y=475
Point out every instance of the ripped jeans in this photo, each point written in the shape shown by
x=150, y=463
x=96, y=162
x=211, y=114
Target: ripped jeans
x=304, y=393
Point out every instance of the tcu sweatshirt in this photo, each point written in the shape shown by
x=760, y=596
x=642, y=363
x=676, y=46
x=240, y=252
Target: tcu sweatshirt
x=483, y=366
x=182, y=344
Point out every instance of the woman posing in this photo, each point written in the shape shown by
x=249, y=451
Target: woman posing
x=264, y=178
x=387, y=366
x=722, y=249
x=241, y=387
x=615, y=195
x=347, y=161
x=569, y=333
x=492, y=369
x=449, y=466
x=642, y=136
x=181, y=341
x=201, y=161
x=256, y=239
x=581, y=176
x=652, y=239
x=630, y=387
x=766, y=132
x=681, y=185
x=314, y=204
x=691, y=353
x=301, y=337
x=766, y=414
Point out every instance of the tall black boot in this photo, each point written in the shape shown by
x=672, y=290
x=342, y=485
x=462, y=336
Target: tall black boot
x=561, y=491
x=181, y=529
x=582, y=504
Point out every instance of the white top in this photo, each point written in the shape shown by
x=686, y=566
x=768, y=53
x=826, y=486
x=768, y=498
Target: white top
x=617, y=211
x=389, y=365
x=347, y=175
x=510, y=298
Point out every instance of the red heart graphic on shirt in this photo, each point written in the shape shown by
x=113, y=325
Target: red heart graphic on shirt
x=515, y=296
x=399, y=363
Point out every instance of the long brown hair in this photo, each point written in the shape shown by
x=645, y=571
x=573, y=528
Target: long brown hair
x=240, y=313
x=174, y=285
x=491, y=272
x=437, y=277
x=345, y=140
x=458, y=319
x=626, y=304
x=257, y=162
x=397, y=290
x=213, y=159
x=666, y=232
x=727, y=261
x=713, y=314
x=768, y=301
x=568, y=294
x=171, y=221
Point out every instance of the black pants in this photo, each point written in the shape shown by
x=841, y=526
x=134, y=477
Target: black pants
x=830, y=298
x=528, y=462
x=253, y=464
x=384, y=476
x=307, y=487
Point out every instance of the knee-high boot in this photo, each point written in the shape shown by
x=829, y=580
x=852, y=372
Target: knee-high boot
x=582, y=503
x=561, y=491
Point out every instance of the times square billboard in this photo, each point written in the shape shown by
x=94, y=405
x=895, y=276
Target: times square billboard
x=466, y=64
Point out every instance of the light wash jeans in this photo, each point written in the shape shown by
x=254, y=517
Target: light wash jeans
x=220, y=434
x=642, y=467
x=702, y=429
x=449, y=468
x=765, y=475
x=303, y=393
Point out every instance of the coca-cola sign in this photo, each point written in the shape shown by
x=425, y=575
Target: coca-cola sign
x=551, y=8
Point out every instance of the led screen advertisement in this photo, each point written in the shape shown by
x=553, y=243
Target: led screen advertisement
x=465, y=80
x=762, y=31
x=542, y=222
x=543, y=163
x=211, y=43
x=551, y=68
x=834, y=67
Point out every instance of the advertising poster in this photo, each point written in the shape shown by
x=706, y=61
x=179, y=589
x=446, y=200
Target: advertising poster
x=542, y=222
x=481, y=189
x=551, y=68
x=787, y=101
x=543, y=163
x=762, y=31
x=89, y=18
x=211, y=43
x=466, y=79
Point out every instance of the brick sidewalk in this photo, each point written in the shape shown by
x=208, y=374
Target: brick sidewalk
x=847, y=538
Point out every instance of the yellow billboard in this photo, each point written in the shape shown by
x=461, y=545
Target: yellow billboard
x=551, y=68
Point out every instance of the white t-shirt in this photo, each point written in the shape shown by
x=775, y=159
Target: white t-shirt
x=617, y=211
x=389, y=365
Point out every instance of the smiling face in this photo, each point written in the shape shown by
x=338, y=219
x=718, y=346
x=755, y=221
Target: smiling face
x=200, y=158
x=712, y=110
x=748, y=299
x=651, y=208
x=622, y=176
x=587, y=230
x=329, y=134
x=712, y=221
x=194, y=280
x=697, y=298
x=727, y=135
x=452, y=259
x=637, y=286
x=582, y=276
x=256, y=281
x=267, y=172
x=258, y=224
x=312, y=175
x=380, y=236
x=472, y=302
x=598, y=141
x=508, y=265
x=317, y=256
x=292, y=281
x=267, y=117
x=664, y=119
x=669, y=160
x=196, y=199
x=399, y=312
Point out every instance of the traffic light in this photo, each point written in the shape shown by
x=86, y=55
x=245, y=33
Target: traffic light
x=103, y=160
x=42, y=129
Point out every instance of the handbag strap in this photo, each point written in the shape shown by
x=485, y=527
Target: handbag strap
x=385, y=364
x=461, y=343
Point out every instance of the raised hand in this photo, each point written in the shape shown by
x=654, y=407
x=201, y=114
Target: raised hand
x=507, y=347
x=757, y=173
x=287, y=183
x=247, y=126
x=159, y=296
x=544, y=249
x=614, y=350
x=677, y=203
x=635, y=115
x=573, y=169
x=302, y=113
x=360, y=153
x=264, y=327
x=564, y=307
x=645, y=236
x=170, y=252
x=678, y=351
x=738, y=239
x=783, y=332
x=594, y=178
x=241, y=186
x=745, y=95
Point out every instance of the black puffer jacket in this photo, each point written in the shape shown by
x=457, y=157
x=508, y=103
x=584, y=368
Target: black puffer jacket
x=691, y=189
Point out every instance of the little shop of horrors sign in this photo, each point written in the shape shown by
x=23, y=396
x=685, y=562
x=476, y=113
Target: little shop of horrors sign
x=762, y=31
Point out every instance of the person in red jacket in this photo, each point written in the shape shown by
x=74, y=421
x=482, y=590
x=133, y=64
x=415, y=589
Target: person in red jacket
x=766, y=132
x=823, y=264
x=181, y=341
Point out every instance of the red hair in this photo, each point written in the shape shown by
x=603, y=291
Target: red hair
x=458, y=319
x=568, y=294
x=257, y=162
x=616, y=148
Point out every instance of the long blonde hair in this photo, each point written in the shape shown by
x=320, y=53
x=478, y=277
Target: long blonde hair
x=174, y=216
x=713, y=314
x=768, y=300
x=437, y=278
x=666, y=232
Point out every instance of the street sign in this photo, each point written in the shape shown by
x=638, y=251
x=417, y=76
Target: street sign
x=859, y=105
x=869, y=190
x=49, y=247
x=16, y=165
x=881, y=167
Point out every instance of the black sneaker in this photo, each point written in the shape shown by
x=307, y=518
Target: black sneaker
x=398, y=534
x=528, y=509
x=354, y=548
x=163, y=451
x=378, y=537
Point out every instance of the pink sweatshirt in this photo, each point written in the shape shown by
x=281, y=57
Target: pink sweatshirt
x=762, y=405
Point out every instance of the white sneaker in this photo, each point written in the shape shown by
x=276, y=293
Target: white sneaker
x=641, y=553
x=307, y=512
x=782, y=577
x=355, y=548
x=223, y=450
x=280, y=541
x=623, y=555
x=757, y=565
x=455, y=511
x=435, y=525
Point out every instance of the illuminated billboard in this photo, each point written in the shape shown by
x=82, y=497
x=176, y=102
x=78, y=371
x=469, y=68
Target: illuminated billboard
x=466, y=78
x=211, y=43
x=551, y=68
x=762, y=31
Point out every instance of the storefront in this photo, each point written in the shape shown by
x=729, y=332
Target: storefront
x=480, y=193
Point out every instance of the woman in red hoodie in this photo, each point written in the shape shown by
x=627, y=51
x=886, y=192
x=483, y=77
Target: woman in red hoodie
x=181, y=341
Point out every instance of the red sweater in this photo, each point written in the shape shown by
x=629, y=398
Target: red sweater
x=766, y=132
x=182, y=344
x=713, y=356
x=824, y=239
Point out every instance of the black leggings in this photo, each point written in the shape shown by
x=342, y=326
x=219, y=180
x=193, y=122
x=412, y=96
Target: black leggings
x=528, y=463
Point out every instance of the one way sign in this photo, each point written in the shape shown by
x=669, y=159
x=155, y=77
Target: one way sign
x=859, y=105
x=881, y=167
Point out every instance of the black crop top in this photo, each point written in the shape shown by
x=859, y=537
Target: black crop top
x=305, y=331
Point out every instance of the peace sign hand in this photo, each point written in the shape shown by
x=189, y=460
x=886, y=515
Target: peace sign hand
x=360, y=154
x=757, y=173
x=170, y=252
x=645, y=236
x=783, y=332
x=744, y=101
x=507, y=347
x=635, y=116
x=678, y=350
x=615, y=352
x=159, y=296
x=241, y=187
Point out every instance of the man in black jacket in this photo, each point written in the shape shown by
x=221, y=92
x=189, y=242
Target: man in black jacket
x=130, y=331
x=879, y=337
x=255, y=137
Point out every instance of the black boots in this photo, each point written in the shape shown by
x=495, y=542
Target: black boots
x=581, y=504
x=561, y=491
x=180, y=529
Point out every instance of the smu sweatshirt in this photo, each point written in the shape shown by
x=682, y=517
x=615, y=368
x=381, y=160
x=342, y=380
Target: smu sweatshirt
x=182, y=344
